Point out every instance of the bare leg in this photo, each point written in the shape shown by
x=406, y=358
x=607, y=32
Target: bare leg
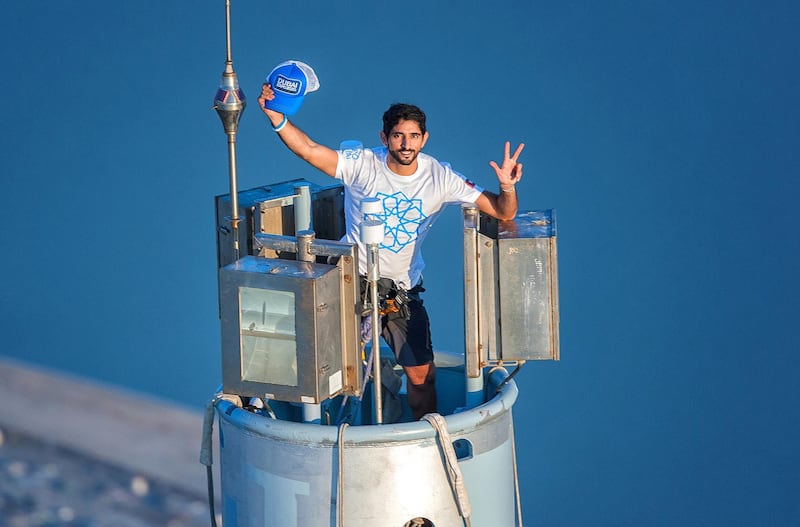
x=421, y=389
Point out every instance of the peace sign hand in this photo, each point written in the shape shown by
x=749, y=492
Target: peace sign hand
x=510, y=172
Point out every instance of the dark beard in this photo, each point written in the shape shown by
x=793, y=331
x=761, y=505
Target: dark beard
x=402, y=161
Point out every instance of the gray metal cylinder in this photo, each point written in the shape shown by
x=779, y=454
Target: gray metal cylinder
x=287, y=474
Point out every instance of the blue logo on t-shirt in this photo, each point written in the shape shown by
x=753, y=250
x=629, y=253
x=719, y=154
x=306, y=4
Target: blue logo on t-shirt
x=401, y=218
x=351, y=149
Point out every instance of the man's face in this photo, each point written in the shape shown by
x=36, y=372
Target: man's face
x=405, y=141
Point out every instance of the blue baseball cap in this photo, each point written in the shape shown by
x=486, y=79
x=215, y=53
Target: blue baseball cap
x=290, y=81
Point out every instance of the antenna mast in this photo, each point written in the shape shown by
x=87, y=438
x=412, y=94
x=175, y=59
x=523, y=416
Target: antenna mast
x=229, y=102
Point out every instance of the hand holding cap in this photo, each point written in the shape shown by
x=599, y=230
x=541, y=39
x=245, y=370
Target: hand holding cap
x=290, y=81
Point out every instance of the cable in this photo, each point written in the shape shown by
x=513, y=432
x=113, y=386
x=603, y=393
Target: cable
x=210, y=478
x=507, y=379
x=517, y=498
x=340, y=478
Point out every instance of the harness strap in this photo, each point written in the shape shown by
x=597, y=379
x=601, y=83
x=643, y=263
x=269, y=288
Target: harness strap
x=451, y=465
x=391, y=297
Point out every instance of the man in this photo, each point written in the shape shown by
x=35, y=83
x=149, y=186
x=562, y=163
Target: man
x=413, y=187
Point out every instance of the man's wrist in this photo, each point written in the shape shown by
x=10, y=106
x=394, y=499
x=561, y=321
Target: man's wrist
x=279, y=127
x=508, y=188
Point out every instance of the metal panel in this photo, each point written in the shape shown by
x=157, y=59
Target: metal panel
x=318, y=327
x=518, y=277
x=327, y=205
x=528, y=299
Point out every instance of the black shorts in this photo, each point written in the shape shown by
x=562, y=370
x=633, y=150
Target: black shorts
x=410, y=339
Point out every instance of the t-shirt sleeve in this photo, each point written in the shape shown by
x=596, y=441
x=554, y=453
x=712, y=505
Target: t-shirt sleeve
x=461, y=189
x=351, y=159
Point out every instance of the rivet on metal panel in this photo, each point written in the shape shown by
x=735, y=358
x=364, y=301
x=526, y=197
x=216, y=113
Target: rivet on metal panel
x=347, y=259
x=489, y=244
x=322, y=307
x=348, y=279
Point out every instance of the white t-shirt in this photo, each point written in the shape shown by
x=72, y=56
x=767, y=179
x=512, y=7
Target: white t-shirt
x=410, y=206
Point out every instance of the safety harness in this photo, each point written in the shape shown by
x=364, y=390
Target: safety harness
x=392, y=298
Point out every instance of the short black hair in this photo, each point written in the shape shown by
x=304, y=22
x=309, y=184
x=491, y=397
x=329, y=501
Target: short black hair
x=402, y=112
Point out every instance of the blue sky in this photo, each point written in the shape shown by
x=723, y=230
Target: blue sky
x=665, y=134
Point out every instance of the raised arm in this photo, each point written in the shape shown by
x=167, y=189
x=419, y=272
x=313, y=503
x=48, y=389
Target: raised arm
x=503, y=206
x=317, y=155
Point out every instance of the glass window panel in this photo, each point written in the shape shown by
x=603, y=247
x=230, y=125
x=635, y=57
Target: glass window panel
x=268, y=337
